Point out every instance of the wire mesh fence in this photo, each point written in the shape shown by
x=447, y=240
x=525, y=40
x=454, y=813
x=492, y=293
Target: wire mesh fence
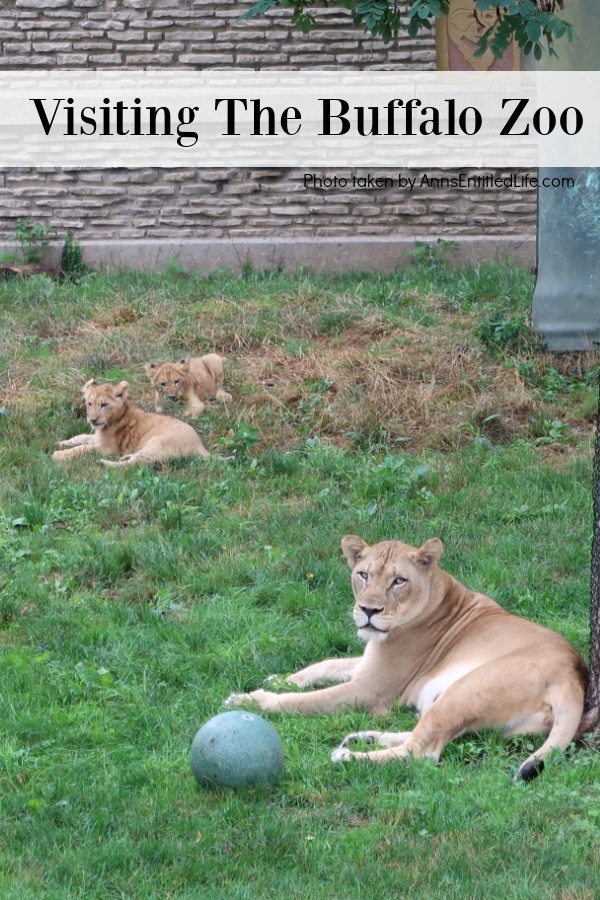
x=592, y=700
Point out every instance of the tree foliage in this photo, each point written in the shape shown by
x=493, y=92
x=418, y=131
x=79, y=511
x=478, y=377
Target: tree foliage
x=534, y=24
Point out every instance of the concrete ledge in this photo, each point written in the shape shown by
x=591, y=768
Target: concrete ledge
x=318, y=254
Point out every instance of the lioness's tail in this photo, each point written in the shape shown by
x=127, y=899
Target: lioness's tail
x=567, y=706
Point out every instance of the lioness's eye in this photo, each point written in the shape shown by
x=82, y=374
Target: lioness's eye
x=363, y=575
x=397, y=582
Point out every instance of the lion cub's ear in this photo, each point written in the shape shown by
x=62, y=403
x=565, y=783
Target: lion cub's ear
x=150, y=369
x=184, y=365
x=354, y=548
x=121, y=389
x=430, y=552
x=89, y=384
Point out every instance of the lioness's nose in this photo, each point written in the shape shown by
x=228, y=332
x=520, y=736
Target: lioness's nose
x=371, y=610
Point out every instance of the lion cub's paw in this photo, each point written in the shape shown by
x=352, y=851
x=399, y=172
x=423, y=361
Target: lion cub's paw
x=60, y=454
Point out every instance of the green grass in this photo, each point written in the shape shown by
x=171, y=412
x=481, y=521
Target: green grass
x=133, y=602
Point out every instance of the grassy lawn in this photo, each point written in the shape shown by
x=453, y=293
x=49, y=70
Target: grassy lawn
x=133, y=602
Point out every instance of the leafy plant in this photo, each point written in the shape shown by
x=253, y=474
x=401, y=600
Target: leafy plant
x=534, y=24
x=504, y=332
x=72, y=265
x=240, y=441
x=427, y=257
x=549, y=431
x=33, y=239
x=175, y=267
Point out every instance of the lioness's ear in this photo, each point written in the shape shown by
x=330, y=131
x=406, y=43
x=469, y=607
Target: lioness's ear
x=121, y=389
x=354, y=548
x=430, y=552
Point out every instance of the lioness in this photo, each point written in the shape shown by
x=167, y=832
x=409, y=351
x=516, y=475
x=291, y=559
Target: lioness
x=120, y=427
x=458, y=658
x=197, y=378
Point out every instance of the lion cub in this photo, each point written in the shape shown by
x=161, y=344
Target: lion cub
x=455, y=656
x=197, y=378
x=122, y=428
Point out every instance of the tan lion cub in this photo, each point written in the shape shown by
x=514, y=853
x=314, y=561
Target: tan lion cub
x=454, y=655
x=197, y=378
x=122, y=428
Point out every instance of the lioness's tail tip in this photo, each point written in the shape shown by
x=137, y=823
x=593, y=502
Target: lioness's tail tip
x=589, y=721
x=530, y=769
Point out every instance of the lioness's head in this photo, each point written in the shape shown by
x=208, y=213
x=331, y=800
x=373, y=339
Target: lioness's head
x=391, y=582
x=169, y=378
x=104, y=402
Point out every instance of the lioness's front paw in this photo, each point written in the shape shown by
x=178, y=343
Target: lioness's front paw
x=237, y=700
x=341, y=754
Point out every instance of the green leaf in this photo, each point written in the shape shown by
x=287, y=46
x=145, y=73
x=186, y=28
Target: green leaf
x=534, y=31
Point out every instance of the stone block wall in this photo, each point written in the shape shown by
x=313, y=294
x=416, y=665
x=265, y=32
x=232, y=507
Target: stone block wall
x=197, y=34
x=230, y=205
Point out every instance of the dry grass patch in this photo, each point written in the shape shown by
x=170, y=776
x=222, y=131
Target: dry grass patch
x=376, y=366
x=428, y=388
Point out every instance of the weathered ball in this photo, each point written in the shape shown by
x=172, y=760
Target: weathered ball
x=236, y=748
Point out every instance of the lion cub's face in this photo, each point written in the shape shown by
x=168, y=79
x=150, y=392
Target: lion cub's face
x=391, y=583
x=104, y=402
x=169, y=378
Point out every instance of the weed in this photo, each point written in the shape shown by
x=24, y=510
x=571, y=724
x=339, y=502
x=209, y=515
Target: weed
x=549, y=431
x=33, y=239
x=174, y=268
x=428, y=257
x=239, y=441
x=72, y=266
x=501, y=331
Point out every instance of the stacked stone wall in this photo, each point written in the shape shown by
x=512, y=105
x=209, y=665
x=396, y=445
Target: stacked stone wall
x=170, y=205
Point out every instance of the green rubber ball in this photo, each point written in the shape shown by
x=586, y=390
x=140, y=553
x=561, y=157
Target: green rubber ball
x=235, y=749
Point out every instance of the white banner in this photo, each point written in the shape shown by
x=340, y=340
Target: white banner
x=335, y=119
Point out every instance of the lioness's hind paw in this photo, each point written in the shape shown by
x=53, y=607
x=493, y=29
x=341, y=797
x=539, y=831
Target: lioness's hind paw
x=367, y=737
x=275, y=681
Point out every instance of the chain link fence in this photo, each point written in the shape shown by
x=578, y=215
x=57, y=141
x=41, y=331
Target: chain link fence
x=592, y=700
